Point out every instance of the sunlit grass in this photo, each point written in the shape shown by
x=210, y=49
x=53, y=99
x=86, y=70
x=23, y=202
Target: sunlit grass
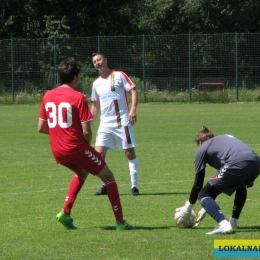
x=33, y=188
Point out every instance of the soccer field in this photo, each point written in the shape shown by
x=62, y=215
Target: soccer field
x=33, y=188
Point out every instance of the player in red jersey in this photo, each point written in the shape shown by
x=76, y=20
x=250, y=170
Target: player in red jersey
x=65, y=116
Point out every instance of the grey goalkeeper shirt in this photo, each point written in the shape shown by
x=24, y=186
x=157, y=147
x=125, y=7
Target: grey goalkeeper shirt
x=222, y=150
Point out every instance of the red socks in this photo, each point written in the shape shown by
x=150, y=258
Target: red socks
x=113, y=195
x=112, y=192
x=74, y=188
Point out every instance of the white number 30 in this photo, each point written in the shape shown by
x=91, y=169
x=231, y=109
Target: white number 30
x=56, y=114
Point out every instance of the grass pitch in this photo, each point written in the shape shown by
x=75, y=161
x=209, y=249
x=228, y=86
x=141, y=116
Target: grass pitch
x=33, y=188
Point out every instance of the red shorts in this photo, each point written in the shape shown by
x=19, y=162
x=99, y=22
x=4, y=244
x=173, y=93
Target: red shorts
x=85, y=158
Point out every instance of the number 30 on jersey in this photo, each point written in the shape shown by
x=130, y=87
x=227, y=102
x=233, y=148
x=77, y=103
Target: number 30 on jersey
x=61, y=114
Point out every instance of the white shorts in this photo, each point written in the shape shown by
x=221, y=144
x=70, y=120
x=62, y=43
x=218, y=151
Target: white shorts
x=123, y=137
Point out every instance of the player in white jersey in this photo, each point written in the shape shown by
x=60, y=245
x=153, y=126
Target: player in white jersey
x=110, y=96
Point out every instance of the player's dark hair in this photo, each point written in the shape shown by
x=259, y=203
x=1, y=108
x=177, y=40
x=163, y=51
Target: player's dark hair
x=68, y=69
x=203, y=135
x=98, y=53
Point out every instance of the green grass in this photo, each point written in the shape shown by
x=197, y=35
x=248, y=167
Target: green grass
x=33, y=188
x=151, y=95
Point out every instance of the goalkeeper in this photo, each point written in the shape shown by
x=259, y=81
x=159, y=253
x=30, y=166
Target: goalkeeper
x=237, y=167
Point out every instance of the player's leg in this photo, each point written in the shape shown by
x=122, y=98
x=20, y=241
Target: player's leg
x=133, y=169
x=239, y=202
x=107, y=177
x=102, y=190
x=104, y=141
x=75, y=186
x=94, y=163
x=207, y=198
x=250, y=171
x=113, y=195
x=125, y=140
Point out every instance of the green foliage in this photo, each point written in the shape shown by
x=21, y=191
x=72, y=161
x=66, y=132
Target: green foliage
x=32, y=18
x=257, y=95
x=162, y=63
x=25, y=98
x=2, y=88
x=86, y=85
x=48, y=82
x=138, y=83
x=56, y=28
x=6, y=99
x=33, y=95
x=34, y=188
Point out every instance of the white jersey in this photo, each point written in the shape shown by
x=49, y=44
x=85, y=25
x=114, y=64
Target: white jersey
x=112, y=94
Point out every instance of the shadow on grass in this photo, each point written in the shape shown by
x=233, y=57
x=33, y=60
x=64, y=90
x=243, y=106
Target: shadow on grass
x=239, y=229
x=247, y=229
x=139, y=228
x=156, y=193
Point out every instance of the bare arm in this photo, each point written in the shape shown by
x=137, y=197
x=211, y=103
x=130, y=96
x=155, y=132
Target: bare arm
x=94, y=110
x=134, y=101
x=43, y=127
x=87, y=132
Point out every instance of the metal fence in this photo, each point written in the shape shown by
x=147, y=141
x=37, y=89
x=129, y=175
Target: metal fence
x=172, y=63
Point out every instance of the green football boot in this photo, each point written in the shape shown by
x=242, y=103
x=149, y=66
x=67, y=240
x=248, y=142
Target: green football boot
x=123, y=226
x=65, y=220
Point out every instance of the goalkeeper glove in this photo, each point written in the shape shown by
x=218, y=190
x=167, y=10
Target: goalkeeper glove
x=201, y=215
x=185, y=213
x=186, y=208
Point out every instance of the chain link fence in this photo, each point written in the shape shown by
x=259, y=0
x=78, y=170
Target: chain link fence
x=158, y=64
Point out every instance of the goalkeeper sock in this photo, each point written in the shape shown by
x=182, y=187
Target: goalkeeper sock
x=74, y=188
x=212, y=208
x=113, y=196
x=239, y=201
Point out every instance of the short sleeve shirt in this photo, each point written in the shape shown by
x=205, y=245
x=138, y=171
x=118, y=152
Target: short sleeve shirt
x=112, y=94
x=222, y=150
x=65, y=110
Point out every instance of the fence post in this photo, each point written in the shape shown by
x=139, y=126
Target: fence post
x=99, y=51
x=236, y=63
x=144, y=76
x=98, y=38
x=189, y=53
x=55, y=63
x=12, y=68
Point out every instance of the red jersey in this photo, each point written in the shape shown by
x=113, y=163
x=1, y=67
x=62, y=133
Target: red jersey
x=65, y=109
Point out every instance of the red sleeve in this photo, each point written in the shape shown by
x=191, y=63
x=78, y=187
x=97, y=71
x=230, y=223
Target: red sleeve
x=84, y=110
x=42, y=115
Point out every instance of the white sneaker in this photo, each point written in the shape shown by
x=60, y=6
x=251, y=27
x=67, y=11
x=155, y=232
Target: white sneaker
x=233, y=222
x=225, y=228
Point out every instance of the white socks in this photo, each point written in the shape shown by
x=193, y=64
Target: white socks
x=134, y=170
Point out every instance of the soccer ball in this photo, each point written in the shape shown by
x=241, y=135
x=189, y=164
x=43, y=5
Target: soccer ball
x=186, y=224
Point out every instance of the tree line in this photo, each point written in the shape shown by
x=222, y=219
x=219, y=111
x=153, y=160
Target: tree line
x=84, y=18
